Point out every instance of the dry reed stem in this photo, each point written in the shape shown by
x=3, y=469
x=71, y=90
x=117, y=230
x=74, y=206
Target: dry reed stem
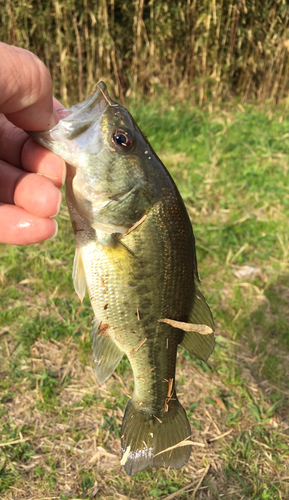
x=215, y=49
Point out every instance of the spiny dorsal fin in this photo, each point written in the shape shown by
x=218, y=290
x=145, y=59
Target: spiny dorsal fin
x=199, y=344
x=106, y=353
x=78, y=275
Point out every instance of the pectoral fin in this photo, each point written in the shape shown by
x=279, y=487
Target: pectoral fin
x=198, y=342
x=106, y=353
x=120, y=256
x=78, y=275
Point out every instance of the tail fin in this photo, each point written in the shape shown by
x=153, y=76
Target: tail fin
x=145, y=436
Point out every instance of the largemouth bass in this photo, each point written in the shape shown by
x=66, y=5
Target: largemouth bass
x=135, y=254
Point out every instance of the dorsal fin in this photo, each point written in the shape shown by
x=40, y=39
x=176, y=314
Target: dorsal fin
x=199, y=344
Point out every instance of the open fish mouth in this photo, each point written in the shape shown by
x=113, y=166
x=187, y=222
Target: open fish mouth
x=79, y=128
x=77, y=119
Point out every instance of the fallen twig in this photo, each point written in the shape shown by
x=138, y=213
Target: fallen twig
x=15, y=441
x=187, y=327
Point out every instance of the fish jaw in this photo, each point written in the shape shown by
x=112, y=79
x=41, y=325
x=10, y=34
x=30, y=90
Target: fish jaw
x=78, y=133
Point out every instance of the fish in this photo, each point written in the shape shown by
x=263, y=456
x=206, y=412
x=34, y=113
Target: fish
x=135, y=255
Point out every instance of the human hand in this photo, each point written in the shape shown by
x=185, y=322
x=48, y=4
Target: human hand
x=29, y=174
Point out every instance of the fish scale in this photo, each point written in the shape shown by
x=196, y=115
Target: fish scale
x=135, y=254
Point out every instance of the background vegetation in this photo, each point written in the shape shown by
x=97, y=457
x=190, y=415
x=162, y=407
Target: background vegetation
x=208, y=50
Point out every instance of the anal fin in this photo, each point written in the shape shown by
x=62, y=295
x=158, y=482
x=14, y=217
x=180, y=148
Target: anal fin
x=199, y=344
x=106, y=353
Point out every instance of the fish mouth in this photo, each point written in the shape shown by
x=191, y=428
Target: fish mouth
x=79, y=127
x=77, y=119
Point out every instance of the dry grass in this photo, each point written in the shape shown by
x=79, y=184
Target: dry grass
x=67, y=441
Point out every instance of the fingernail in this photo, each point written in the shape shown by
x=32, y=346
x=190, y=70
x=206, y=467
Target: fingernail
x=58, y=204
x=56, y=229
x=55, y=116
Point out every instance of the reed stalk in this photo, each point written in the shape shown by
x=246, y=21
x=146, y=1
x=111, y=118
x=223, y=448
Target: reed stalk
x=202, y=49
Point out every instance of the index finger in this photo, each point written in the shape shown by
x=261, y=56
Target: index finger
x=18, y=149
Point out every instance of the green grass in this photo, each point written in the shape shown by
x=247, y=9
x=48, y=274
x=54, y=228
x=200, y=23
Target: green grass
x=232, y=170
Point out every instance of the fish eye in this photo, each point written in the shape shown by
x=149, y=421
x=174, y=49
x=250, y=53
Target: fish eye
x=122, y=139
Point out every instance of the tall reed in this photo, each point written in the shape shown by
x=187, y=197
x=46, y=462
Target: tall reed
x=210, y=50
